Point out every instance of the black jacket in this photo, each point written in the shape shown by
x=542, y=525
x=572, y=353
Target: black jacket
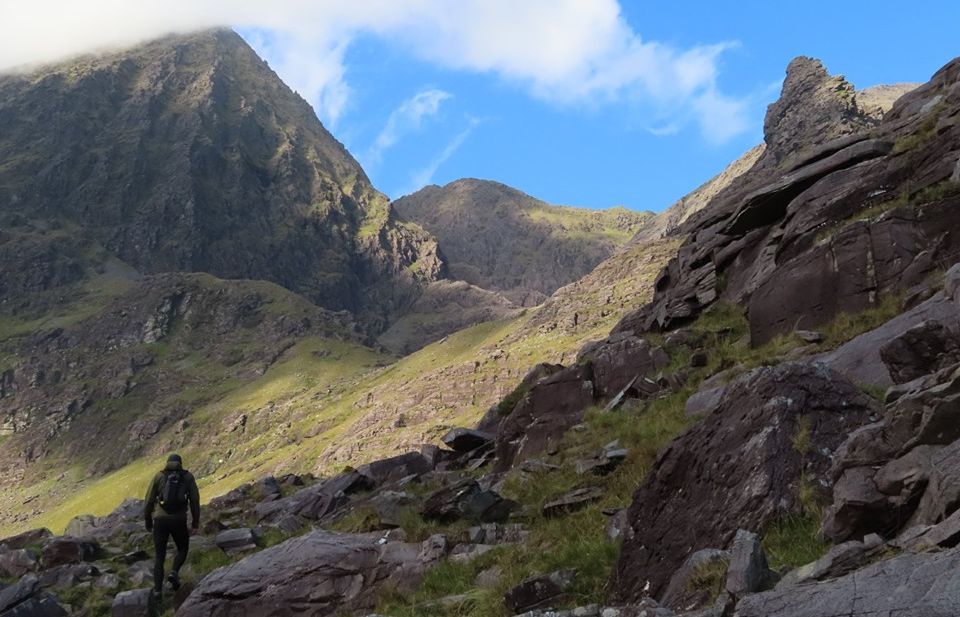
x=153, y=493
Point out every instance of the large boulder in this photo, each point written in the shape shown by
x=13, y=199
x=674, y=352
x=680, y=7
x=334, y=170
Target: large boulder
x=859, y=359
x=18, y=562
x=621, y=359
x=396, y=467
x=902, y=470
x=466, y=500
x=319, y=573
x=26, y=599
x=921, y=585
x=739, y=468
x=921, y=350
x=67, y=550
x=539, y=591
x=543, y=415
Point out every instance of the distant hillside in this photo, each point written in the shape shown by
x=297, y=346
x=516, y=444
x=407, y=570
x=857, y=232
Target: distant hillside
x=501, y=239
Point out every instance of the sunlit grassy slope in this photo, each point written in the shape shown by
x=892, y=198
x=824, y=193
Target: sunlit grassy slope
x=330, y=403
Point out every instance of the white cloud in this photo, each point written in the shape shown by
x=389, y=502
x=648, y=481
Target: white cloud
x=424, y=176
x=564, y=51
x=405, y=119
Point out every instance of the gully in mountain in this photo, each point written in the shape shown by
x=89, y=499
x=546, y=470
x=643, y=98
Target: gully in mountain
x=174, y=490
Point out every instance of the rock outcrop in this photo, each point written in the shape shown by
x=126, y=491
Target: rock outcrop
x=806, y=234
x=916, y=585
x=741, y=467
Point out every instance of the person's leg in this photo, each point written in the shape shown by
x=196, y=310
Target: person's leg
x=161, y=533
x=181, y=537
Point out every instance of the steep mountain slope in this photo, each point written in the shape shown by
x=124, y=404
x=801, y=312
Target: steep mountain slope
x=190, y=154
x=498, y=238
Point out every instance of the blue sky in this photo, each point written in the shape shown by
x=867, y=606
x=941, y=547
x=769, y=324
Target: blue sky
x=582, y=102
x=599, y=153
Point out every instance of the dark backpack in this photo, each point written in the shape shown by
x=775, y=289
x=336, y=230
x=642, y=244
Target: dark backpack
x=173, y=492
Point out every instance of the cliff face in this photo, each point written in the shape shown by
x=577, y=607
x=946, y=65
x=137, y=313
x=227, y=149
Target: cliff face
x=501, y=239
x=190, y=154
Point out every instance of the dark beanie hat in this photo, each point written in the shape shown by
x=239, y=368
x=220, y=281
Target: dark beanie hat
x=174, y=458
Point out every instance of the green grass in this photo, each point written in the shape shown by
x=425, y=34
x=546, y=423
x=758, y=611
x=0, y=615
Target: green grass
x=794, y=541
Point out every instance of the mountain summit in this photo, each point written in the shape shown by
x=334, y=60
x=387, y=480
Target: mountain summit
x=190, y=154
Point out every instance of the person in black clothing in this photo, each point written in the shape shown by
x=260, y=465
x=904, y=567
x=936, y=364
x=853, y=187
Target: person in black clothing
x=174, y=490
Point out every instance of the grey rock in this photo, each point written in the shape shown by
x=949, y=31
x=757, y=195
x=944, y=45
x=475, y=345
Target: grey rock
x=921, y=350
x=463, y=553
x=921, y=585
x=107, y=581
x=539, y=591
x=433, y=548
x=489, y=578
x=945, y=534
x=839, y=560
x=67, y=575
x=618, y=525
x=25, y=599
x=18, y=562
x=808, y=336
x=748, y=572
x=236, y=540
x=703, y=401
x=572, y=501
x=135, y=603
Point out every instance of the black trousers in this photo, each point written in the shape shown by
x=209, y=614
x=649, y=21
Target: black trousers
x=163, y=529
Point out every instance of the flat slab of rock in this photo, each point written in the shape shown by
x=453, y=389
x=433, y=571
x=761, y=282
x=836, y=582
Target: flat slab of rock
x=839, y=560
x=465, y=439
x=319, y=573
x=922, y=585
x=236, y=540
x=572, y=501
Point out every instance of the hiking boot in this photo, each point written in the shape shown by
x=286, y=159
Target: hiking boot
x=174, y=580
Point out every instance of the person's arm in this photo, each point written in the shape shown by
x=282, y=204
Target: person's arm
x=194, y=502
x=149, y=502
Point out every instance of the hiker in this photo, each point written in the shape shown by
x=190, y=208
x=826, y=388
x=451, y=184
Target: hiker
x=174, y=490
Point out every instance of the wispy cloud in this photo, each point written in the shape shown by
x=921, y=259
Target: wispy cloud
x=424, y=175
x=563, y=51
x=404, y=120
